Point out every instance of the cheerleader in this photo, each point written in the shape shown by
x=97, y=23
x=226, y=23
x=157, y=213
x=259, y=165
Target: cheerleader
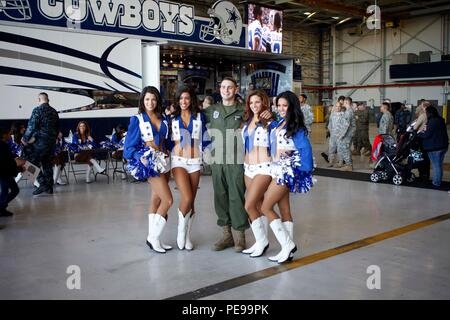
x=16, y=145
x=118, y=138
x=15, y=142
x=59, y=159
x=82, y=144
x=146, y=150
x=189, y=139
x=257, y=164
x=292, y=165
x=118, y=141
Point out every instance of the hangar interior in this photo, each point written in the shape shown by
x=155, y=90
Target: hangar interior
x=345, y=227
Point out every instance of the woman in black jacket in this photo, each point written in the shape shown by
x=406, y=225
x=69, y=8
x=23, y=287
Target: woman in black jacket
x=435, y=142
x=8, y=170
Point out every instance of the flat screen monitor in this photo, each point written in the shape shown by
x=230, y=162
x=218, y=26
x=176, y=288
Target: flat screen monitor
x=265, y=28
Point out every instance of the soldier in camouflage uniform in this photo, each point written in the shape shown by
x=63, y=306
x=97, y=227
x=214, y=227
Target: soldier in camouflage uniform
x=307, y=112
x=344, y=141
x=361, y=138
x=337, y=126
x=39, y=141
x=387, y=120
x=228, y=176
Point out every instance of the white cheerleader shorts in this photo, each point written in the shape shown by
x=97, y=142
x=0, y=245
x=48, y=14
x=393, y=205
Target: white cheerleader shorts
x=251, y=170
x=275, y=170
x=190, y=165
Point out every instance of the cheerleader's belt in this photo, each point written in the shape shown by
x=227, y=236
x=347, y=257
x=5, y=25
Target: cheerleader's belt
x=186, y=161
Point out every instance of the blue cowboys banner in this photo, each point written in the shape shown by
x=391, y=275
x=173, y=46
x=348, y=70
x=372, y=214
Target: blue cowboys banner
x=139, y=18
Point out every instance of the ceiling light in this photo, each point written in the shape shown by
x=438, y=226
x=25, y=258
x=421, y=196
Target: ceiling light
x=335, y=18
x=306, y=13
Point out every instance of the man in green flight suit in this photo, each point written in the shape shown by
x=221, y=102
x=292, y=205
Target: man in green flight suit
x=224, y=119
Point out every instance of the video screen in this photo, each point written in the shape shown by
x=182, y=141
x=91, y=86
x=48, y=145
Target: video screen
x=265, y=29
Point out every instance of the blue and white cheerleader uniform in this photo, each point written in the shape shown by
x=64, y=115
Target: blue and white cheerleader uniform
x=294, y=168
x=140, y=131
x=78, y=145
x=114, y=143
x=16, y=148
x=60, y=146
x=196, y=131
x=259, y=137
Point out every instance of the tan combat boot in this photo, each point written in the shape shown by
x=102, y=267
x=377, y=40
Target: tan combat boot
x=339, y=165
x=347, y=167
x=226, y=241
x=330, y=163
x=240, y=243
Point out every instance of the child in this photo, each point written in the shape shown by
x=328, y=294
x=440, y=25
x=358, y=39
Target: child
x=9, y=168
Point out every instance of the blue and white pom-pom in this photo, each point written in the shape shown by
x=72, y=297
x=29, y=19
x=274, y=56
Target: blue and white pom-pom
x=156, y=164
x=108, y=145
x=72, y=147
x=16, y=148
x=291, y=175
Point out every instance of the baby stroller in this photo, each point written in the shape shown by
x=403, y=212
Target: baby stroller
x=395, y=160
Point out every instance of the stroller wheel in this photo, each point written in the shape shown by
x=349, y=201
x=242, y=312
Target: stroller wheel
x=384, y=175
x=397, y=179
x=374, y=177
x=412, y=177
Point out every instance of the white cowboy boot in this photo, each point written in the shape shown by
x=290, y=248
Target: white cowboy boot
x=182, y=229
x=56, y=171
x=289, y=226
x=156, y=228
x=18, y=177
x=266, y=227
x=96, y=166
x=261, y=238
x=57, y=175
x=150, y=219
x=287, y=245
x=88, y=174
x=189, y=245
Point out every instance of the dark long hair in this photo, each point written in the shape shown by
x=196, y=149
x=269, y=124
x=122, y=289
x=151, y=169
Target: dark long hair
x=294, y=115
x=16, y=131
x=194, y=108
x=248, y=114
x=159, y=107
x=432, y=112
x=87, y=132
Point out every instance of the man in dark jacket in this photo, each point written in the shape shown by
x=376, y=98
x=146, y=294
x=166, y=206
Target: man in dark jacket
x=8, y=170
x=401, y=120
x=39, y=141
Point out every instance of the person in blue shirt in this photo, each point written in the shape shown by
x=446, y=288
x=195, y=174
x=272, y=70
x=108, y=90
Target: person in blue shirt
x=189, y=138
x=146, y=150
x=292, y=166
x=84, y=143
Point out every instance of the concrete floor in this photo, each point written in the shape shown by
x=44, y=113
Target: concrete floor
x=102, y=229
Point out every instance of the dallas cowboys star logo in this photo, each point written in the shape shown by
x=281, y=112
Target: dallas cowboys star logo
x=233, y=16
